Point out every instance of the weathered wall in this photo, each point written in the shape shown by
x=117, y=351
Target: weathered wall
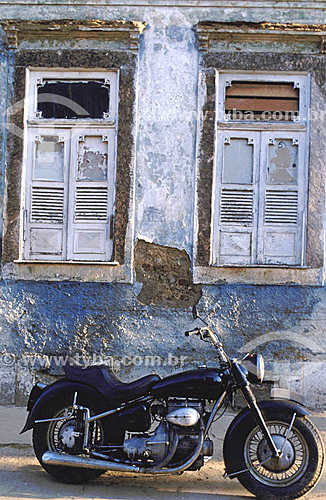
x=44, y=318
x=48, y=319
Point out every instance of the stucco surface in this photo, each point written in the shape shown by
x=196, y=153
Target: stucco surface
x=105, y=321
x=46, y=318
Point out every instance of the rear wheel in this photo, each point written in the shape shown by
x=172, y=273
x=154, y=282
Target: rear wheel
x=58, y=436
x=292, y=475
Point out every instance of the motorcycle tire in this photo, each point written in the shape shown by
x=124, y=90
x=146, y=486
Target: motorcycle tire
x=293, y=475
x=44, y=436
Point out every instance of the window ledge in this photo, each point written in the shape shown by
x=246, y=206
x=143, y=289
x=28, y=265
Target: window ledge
x=69, y=262
x=43, y=122
x=258, y=266
x=84, y=271
x=261, y=125
x=259, y=275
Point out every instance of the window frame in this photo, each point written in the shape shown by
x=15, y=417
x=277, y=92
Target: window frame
x=35, y=75
x=258, y=230
x=301, y=82
x=75, y=129
x=213, y=63
x=223, y=123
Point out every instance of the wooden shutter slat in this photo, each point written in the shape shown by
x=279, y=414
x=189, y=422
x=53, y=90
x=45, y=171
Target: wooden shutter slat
x=236, y=207
x=47, y=204
x=281, y=207
x=262, y=90
x=257, y=104
x=91, y=203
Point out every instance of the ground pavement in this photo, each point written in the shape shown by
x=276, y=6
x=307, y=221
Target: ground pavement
x=22, y=478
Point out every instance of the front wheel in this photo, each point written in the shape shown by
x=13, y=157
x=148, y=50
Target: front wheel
x=294, y=474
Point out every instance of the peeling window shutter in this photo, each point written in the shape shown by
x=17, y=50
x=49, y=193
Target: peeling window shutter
x=237, y=206
x=47, y=204
x=282, y=198
x=236, y=197
x=91, y=203
x=45, y=201
x=69, y=188
x=91, y=196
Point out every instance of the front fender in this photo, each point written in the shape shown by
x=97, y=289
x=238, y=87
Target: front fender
x=246, y=415
x=56, y=390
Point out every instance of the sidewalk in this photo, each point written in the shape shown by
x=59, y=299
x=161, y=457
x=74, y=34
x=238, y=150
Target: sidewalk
x=22, y=477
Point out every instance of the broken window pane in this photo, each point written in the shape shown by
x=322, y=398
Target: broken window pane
x=92, y=159
x=73, y=99
x=282, y=162
x=238, y=162
x=49, y=158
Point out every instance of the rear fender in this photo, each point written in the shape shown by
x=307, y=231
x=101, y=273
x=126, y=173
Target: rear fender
x=57, y=390
x=35, y=394
x=246, y=415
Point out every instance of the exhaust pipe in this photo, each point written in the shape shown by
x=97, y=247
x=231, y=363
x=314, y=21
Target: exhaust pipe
x=53, y=458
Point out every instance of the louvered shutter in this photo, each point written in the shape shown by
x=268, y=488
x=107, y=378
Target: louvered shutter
x=91, y=196
x=46, y=195
x=235, y=203
x=282, y=198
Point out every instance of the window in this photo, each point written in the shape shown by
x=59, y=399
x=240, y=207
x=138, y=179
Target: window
x=69, y=188
x=260, y=179
x=261, y=100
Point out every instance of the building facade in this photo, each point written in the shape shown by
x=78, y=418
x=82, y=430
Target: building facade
x=154, y=156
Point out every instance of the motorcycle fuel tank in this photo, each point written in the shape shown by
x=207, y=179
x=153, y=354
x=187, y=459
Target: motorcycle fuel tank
x=205, y=383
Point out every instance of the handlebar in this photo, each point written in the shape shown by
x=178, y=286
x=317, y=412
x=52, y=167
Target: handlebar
x=196, y=331
x=204, y=333
x=207, y=332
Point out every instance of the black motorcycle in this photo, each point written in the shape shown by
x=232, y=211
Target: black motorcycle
x=90, y=422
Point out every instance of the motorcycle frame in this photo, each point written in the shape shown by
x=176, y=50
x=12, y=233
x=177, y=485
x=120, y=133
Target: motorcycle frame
x=89, y=419
x=240, y=381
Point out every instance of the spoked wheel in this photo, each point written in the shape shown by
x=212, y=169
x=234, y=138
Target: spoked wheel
x=277, y=472
x=59, y=436
x=60, y=433
x=290, y=476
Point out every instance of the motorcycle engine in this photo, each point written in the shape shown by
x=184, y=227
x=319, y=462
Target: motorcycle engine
x=146, y=446
x=180, y=414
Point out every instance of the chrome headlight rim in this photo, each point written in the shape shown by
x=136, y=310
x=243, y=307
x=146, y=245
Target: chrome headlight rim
x=255, y=366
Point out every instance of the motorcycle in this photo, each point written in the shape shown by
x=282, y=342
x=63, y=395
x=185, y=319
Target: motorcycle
x=90, y=422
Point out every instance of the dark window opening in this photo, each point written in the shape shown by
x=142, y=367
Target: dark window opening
x=272, y=101
x=73, y=99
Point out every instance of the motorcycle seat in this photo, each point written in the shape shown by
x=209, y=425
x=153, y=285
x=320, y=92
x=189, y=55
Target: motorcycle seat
x=102, y=378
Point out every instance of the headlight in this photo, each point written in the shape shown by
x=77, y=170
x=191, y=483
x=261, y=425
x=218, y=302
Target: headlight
x=254, y=363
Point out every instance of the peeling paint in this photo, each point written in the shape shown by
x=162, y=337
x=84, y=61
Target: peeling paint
x=166, y=276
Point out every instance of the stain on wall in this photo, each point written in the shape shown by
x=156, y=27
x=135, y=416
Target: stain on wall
x=165, y=273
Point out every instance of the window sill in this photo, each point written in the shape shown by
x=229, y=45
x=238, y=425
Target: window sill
x=258, y=266
x=269, y=126
x=65, y=262
x=84, y=271
x=259, y=275
x=96, y=122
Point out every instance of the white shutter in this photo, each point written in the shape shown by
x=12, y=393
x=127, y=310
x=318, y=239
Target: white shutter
x=235, y=198
x=46, y=195
x=282, y=198
x=91, y=196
